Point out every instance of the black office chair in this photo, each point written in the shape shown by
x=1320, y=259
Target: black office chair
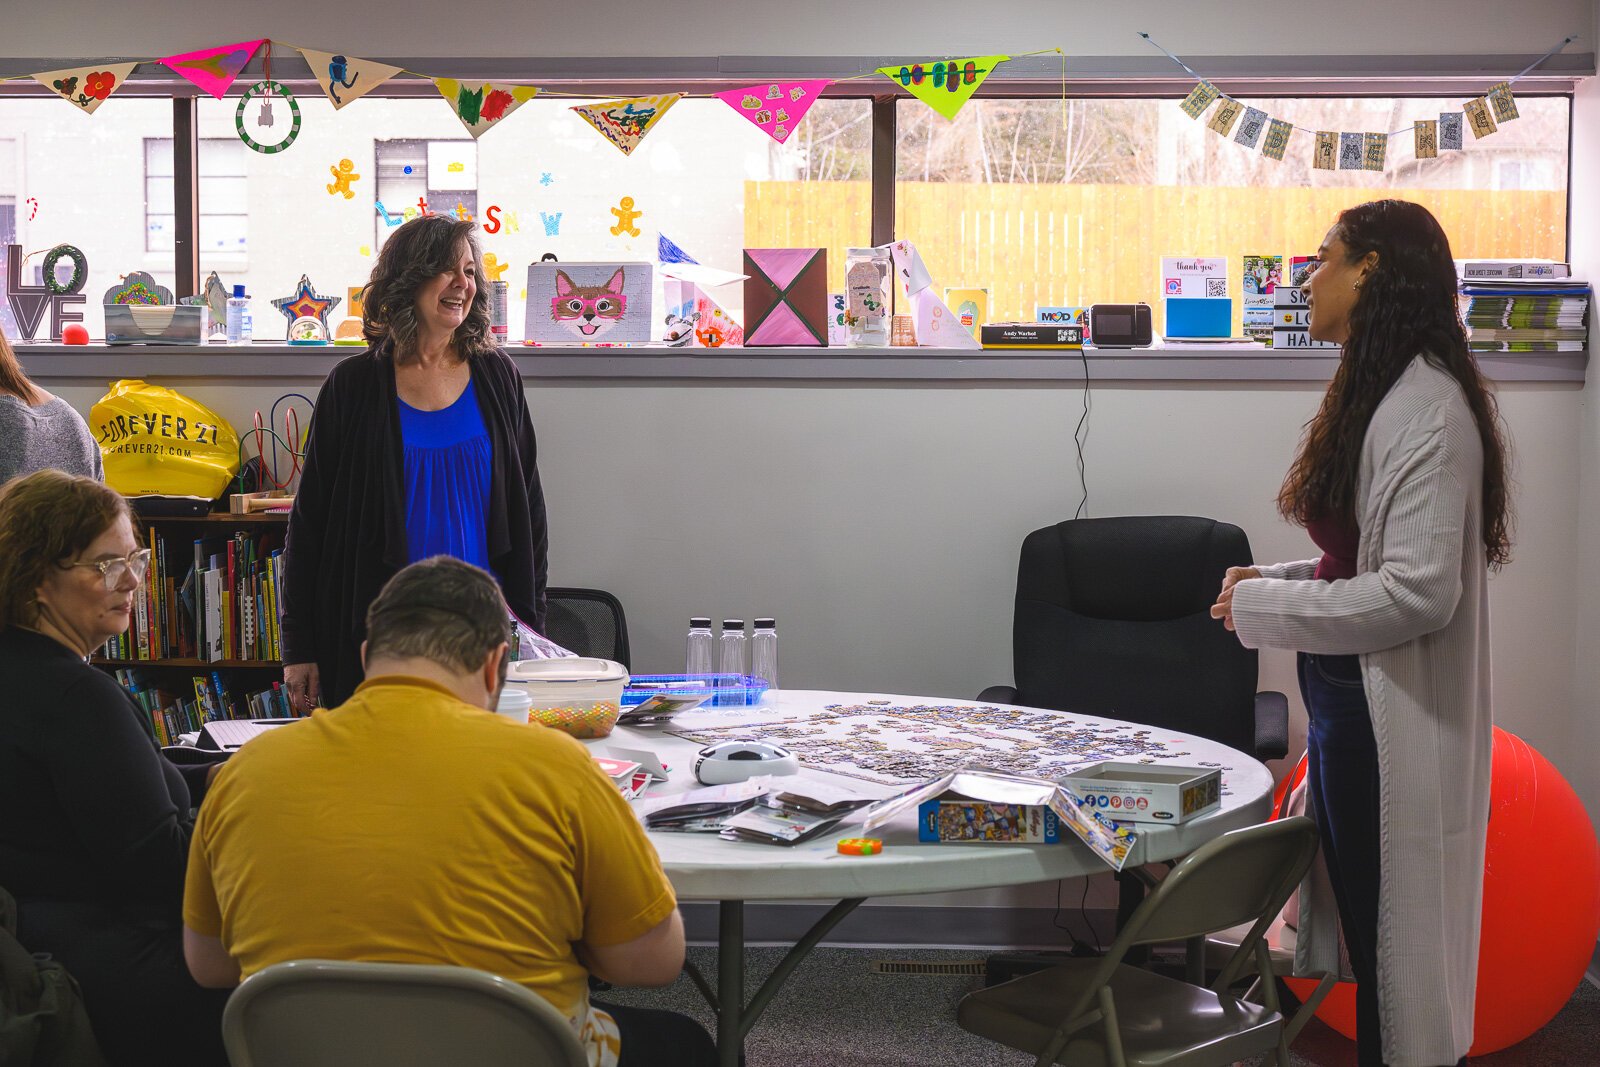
x=589, y=622
x=1113, y=618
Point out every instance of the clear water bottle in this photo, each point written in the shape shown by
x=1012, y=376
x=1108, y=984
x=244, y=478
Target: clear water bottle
x=699, y=658
x=764, y=651
x=248, y=334
x=237, y=305
x=731, y=648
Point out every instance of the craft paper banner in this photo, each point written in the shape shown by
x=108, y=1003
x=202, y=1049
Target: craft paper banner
x=1450, y=131
x=86, y=87
x=1326, y=151
x=1427, y=139
x=1376, y=150
x=625, y=122
x=1351, y=149
x=944, y=85
x=1250, y=127
x=1200, y=97
x=1225, y=116
x=213, y=69
x=776, y=107
x=1478, y=117
x=1505, y=106
x=480, y=105
x=1278, y=134
x=344, y=78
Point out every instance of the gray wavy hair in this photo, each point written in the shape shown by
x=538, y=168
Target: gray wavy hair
x=416, y=253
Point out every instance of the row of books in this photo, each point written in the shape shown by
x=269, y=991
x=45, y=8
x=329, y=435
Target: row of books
x=226, y=606
x=1523, y=306
x=211, y=700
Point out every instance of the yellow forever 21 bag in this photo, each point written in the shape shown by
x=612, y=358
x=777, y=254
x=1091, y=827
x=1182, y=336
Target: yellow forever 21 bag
x=156, y=441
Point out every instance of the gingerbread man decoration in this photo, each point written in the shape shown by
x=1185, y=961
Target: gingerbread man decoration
x=492, y=267
x=343, y=175
x=625, y=215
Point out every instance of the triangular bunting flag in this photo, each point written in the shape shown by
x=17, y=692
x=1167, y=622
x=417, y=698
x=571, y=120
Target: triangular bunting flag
x=479, y=105
x=213, y=69
x=625, y=122
x=944, y=85
x=776, y=107
x=344, y=78
x=87, y=87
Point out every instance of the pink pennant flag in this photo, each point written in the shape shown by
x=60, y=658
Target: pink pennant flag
x=213, y=69
x=776, y=107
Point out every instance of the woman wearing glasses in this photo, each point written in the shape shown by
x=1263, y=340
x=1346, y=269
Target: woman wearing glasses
x=95, y=837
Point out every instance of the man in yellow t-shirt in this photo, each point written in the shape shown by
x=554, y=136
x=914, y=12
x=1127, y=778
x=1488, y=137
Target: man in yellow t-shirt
x=411, y=825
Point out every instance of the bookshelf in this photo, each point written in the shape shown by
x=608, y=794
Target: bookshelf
x=203, y=641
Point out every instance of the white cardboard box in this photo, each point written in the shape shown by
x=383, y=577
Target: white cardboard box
x=1143, y=792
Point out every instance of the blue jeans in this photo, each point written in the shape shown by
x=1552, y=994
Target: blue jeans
x=1342, y=778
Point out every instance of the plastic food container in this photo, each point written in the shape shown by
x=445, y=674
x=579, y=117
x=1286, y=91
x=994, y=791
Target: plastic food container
x=578, y=696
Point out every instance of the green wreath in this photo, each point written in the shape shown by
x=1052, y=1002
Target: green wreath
x=294, y=112
x=80, y=268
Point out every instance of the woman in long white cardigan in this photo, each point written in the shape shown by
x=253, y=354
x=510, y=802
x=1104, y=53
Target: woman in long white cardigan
x=1401, y=481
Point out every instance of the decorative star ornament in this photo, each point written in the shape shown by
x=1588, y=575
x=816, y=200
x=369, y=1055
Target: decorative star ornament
x=306, y=302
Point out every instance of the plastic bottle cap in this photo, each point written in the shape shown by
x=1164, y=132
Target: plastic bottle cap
x=766, y=624
x=733, y=624
x=238, y=291
x=699, y=623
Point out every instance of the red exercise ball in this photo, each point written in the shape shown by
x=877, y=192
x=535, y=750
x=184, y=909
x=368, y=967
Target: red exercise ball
x=74, y=333
x=1541, y=903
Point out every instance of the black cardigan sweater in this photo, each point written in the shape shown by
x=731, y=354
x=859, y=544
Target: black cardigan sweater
x=347, y=533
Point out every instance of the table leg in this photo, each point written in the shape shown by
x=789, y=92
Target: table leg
x=730, y=983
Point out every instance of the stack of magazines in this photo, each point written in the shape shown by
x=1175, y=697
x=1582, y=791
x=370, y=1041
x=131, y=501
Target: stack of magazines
x=1523, y=306
x=756, y=810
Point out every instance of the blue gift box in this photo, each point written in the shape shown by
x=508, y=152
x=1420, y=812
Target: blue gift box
x=1199, y=316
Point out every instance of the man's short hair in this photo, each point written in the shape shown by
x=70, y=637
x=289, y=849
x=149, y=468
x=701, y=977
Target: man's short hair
x=438, y=609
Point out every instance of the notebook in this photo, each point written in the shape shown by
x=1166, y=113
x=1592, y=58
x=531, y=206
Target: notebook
x=227, y=735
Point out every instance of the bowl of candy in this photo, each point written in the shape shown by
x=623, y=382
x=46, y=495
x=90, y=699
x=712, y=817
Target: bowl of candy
x=576, y=695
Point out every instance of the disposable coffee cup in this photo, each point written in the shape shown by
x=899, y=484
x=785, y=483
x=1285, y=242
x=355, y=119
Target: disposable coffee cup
x=515, y=703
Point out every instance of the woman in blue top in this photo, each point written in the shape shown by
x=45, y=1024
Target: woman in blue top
x=420, y=446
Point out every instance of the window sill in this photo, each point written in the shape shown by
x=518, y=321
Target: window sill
x=1169, y=361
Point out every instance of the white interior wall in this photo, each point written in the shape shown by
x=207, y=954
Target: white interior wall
x=493, y=28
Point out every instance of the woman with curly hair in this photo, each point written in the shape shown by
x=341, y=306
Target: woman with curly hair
x=95, y=838
x=1401, y=482
x=420, y=446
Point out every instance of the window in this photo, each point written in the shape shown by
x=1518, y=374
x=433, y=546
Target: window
x=1046, y=203
x=441, y=175
x=224, y=210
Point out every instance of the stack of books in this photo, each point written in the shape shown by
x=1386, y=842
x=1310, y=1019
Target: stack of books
x=172, y=715
x=1523, y=306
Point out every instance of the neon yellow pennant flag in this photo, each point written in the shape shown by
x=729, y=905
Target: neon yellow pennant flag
x=945, y=84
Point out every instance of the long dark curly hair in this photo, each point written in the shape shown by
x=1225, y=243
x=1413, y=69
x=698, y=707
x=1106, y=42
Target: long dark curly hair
x=1407, y=306
x=418, y=252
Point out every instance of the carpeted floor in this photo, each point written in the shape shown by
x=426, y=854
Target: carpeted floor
x=835, y=1013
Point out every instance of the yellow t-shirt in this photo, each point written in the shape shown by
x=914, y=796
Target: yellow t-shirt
x=407, y=826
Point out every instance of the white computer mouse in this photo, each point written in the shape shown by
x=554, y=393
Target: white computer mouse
x=735, y=761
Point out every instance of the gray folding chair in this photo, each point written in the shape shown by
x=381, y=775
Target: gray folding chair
x=328, y=1013
x=1102, y=1011
x=1280, y=940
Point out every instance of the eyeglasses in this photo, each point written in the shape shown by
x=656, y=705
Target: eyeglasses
x=113, y=570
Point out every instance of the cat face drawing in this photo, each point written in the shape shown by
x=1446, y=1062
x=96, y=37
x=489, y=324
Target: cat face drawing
x=588, y=310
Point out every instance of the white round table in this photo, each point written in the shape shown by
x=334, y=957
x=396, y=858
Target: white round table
x=707, y=867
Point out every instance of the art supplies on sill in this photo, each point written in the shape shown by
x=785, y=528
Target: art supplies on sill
x=1004, y=809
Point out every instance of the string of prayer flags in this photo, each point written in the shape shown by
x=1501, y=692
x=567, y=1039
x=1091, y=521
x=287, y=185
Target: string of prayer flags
x=481, y=105
x=213, y=69
x=1377, y=149
x=776, y=108
x=344, y=78
x=1478, y=117
x=1427, y=139
x=1200, y=97
x=945, y=85
x=87, y=87
x=1250, y=127
x=1450, y=123
x=1351, y=148
x=625, y=122
x=1326, y=151
x=1505, y=106
x=1278, y=133
x=1225, y=116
